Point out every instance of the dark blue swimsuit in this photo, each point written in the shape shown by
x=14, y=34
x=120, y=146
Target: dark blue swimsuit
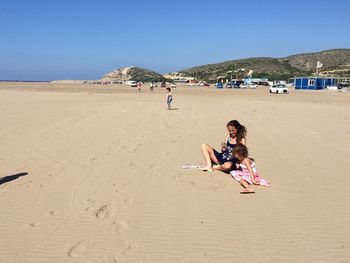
x=227, y=155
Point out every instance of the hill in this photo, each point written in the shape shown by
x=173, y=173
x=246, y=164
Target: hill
x=274, y=68
x=132, y=73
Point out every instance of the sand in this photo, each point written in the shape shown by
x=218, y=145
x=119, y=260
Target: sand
x=104, y=181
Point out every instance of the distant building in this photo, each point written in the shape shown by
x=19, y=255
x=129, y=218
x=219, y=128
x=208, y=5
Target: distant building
x=178, y=78
x=314, y=83
x=257, y=81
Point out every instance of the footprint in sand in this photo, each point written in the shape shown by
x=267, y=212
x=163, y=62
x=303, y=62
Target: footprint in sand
x=93, y=159
x=123, y=231
x=53, y=212
x=214, y=186
x=79, y=248
x=104, y=211
x=90, y=205
x=129, y=200
x=87, y=209
x=120, y=227
x=35, y=224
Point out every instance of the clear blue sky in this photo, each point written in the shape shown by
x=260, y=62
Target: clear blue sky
x=83, y=39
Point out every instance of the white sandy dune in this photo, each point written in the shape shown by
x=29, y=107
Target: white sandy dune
x=104, y=181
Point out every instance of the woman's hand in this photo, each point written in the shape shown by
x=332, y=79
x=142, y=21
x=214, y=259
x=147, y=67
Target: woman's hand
x=223, y=146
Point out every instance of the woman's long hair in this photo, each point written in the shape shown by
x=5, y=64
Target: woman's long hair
x=241, y=130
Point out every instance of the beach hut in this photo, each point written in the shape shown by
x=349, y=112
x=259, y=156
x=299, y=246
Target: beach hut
x=314, y=83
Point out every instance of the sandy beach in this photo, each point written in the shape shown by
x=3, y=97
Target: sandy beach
x=100, y=177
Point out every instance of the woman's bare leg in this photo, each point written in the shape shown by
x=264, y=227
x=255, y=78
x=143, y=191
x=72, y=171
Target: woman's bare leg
x=209, y=156
x=225, y=167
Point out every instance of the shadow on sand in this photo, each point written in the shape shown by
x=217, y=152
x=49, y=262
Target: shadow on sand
x=174, y=109
x=10, y=178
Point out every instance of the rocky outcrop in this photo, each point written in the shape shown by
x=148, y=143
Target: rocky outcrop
x=132, y=73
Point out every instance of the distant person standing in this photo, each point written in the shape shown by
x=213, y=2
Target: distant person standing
x=151, y=86
x=169, y=98
x=139, y=85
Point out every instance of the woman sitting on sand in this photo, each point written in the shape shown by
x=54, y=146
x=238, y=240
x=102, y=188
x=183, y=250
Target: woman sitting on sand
x=225, y=161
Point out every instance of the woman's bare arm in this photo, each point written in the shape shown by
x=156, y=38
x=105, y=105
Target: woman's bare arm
x=224, y=143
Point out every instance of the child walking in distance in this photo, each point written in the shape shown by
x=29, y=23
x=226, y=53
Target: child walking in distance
x=139, y=85
x=169, y=98
x=248, y=174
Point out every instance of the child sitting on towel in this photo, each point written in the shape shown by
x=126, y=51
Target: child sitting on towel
x=248, y=174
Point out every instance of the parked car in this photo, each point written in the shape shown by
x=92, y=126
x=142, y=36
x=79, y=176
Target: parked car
x=252, y=86
x=219, y=85
x=203, y=84
x=237, y=84
x=131, y=83
x=342, y=85
x=279, y=89
x=243, y=86
x=173, y=85
x=264, y=83
x=229, y=85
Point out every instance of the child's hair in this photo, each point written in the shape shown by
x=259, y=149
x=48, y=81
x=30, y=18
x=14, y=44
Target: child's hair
x=241, y=130
x=168, y=89
x=241, y=150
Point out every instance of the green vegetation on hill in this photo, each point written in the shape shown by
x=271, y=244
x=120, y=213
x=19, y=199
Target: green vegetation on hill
x=273, y=68
x=144, y=75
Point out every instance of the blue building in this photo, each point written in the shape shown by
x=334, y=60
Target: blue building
x=314, y=83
